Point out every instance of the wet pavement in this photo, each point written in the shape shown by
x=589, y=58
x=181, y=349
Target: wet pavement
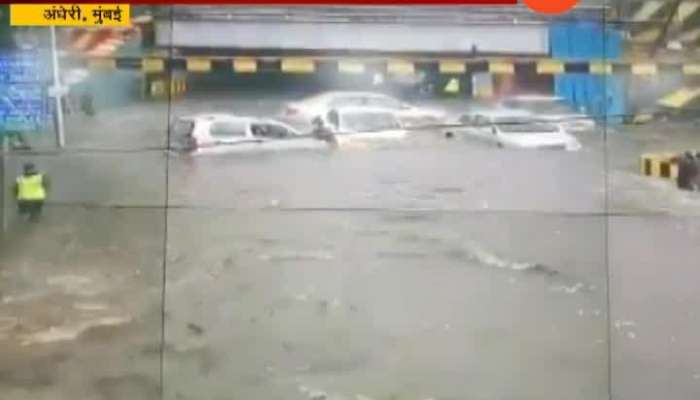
x=426, y=269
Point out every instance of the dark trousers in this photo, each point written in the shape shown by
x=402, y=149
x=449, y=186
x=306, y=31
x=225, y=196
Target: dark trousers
x=32, y=208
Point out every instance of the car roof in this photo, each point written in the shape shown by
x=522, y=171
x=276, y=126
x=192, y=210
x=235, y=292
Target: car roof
x=209, y=117
x=362, y=110
x=214, y=117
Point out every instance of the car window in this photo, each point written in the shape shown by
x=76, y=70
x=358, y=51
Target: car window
x=466, y=119
x=228, y=129
x=369, y=122
x=333, y=119
x=269, y=130
x=480, y=120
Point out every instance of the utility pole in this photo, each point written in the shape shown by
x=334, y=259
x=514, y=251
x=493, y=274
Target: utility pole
x=3, y=187
x=57, y=91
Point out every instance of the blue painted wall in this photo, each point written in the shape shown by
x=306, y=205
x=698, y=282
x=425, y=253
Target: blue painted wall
x=602, y=96
x=584, y=41
x=598, y=95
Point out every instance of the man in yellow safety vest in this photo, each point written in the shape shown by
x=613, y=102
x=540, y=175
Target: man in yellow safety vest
x=30, y=189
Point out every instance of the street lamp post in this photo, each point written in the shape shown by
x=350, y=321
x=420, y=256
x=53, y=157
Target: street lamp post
x=57, y=91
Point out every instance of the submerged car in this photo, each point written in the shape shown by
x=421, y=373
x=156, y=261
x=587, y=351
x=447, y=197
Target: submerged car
x=513, y=129
x=303, y=112
x=222, y=133
x=349, y=124
x=550, y=109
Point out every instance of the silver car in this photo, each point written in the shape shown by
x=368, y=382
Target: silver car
x=302, y=113
x=551, y=109
x=224, y=133
x=513, y=129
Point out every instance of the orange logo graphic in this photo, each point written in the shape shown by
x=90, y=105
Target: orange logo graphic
x=551, y=6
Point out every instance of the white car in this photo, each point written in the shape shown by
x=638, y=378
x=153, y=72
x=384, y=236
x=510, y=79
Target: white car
x=514, y=129
x=302, y=113
x=222, y=133
x=353, y=124
x=551, y=109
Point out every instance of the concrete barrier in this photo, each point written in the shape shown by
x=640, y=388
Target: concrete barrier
x=659, y=165
x=159, y=88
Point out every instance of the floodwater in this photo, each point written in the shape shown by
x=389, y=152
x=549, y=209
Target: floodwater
x=427, y=269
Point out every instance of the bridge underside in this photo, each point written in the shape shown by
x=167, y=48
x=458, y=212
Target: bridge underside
x=352, y=37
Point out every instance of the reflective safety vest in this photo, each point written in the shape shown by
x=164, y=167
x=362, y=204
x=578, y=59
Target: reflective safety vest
x=31, y=187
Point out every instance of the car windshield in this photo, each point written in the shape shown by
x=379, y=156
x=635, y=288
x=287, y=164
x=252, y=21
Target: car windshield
x=553, y=106
x=368, y=122
x=523, y=125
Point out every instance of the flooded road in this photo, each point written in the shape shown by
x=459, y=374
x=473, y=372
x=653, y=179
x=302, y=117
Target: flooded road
x=407, y=305
x=426, y=269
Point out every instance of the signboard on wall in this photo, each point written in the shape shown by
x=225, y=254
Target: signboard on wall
x=22, y=93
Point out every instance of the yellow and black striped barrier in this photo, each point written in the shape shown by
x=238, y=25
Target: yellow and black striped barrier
x=393, y=66
x=162, y=88
x=659, y=165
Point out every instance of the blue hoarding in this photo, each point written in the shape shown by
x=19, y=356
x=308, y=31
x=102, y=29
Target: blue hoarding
x=22, y=92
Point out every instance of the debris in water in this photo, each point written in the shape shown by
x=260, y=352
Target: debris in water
x=631, y=335
x=303, y=389
x=335, y=303
x=580, y=312
x=228, y=262
x=696, y=377
x=195, y=329
x=323, y=307
x=597, y=312
x=447, y=327
x=288, y=347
